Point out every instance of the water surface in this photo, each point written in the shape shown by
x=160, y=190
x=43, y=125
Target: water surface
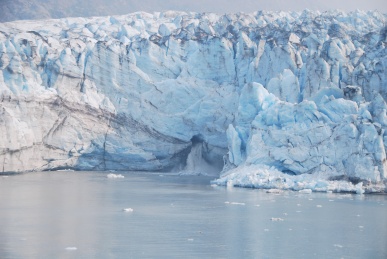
x=80, y=215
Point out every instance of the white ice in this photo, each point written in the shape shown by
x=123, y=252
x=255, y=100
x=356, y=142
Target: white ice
x=115, y=176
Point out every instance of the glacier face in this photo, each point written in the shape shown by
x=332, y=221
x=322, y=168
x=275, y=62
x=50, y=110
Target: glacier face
x=329, y=137
x=300, y=92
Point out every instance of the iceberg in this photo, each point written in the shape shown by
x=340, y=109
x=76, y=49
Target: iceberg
x=298, y=96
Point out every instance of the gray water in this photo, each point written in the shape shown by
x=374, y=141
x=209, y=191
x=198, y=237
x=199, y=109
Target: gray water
x=49, y=214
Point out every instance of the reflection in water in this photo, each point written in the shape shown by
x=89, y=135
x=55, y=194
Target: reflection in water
x=42, y=214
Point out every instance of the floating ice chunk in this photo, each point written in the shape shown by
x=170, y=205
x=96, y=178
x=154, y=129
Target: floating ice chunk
x=274, y=191
x=337, y=245
x=319, y=206
x=237, y=203
x=115, y=176
x=307, y=191
x=190, y=239
x=277, y=219
x=71, y=248
x=128, y=210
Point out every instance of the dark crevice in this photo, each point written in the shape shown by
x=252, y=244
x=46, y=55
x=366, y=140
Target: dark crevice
x=352, y=179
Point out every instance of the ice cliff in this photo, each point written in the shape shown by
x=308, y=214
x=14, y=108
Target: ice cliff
x=316, y=144
x=292, y=93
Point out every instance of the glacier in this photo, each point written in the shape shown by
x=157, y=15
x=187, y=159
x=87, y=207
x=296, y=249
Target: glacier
x=324, y=144
x=290, y=100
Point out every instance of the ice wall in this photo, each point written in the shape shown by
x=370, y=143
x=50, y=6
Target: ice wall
x=133, y=91
x=329, y=137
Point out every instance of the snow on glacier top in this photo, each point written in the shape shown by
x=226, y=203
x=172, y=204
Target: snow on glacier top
x=357, y=22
